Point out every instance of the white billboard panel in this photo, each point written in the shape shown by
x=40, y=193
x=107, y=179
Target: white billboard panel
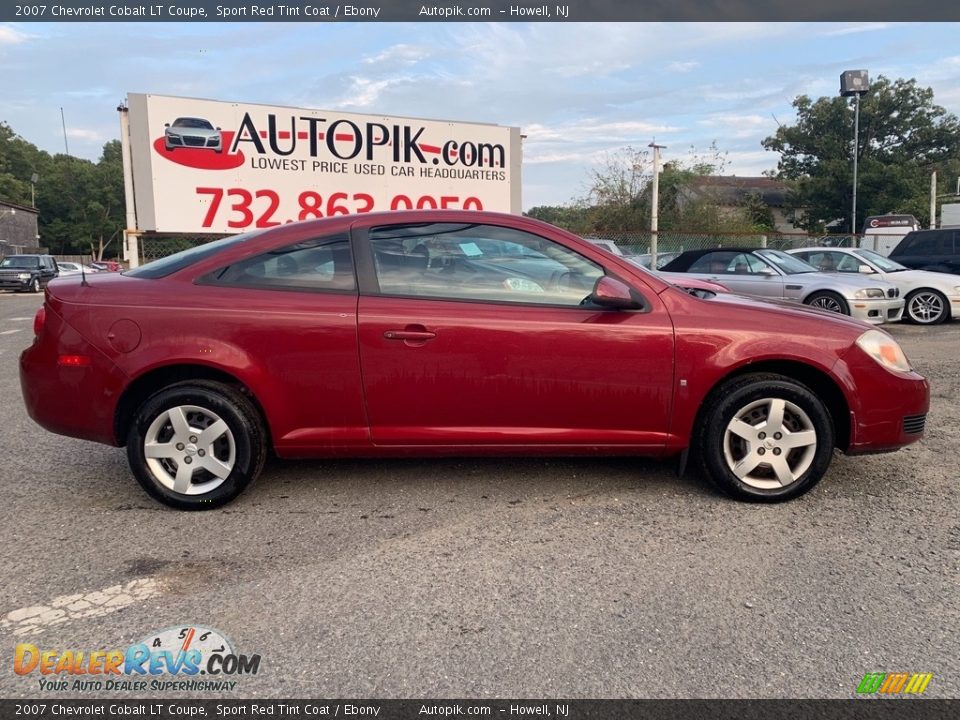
x=204, y=166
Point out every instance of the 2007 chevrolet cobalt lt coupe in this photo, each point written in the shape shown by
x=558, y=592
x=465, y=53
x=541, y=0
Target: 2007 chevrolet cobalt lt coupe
x=440, y=333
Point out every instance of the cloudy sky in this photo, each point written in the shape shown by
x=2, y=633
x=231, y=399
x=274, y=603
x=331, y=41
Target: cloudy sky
x=579, y=92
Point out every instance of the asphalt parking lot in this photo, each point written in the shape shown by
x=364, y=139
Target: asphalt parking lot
x=586, y=578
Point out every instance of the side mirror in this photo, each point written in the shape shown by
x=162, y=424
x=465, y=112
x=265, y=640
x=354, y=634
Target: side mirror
x=865, y=270
x=166, y=124
x=218, y=128
x=613, y=294
x=767, y=272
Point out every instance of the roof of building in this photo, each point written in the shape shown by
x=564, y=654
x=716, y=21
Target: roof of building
x=735, y=189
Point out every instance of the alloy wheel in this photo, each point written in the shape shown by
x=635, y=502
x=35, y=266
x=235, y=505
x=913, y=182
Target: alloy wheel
x=769, y=443
x=189, y=449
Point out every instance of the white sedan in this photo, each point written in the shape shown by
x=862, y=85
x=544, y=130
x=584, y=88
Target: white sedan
x=931, y=297
x=72, y=268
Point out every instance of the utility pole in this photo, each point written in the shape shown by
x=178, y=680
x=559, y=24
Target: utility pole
x=856, y=83
x=933, y=200
x=655, y=203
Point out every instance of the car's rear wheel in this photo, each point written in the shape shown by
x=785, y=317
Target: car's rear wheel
x=926, y=307
x=765, y=438
x=831, y=301
x=196, y=445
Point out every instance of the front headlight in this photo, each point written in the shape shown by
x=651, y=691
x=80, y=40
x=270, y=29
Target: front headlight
x=884, y=349
x=23, y=276
x=868, y=293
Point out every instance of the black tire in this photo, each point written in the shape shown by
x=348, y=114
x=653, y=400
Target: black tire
x=240, y=448
x=35, y=285
x=827, y=300
x=926, y=307
x=746, y=399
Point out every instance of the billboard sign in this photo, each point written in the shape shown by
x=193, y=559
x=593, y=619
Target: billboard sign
x=204, y=166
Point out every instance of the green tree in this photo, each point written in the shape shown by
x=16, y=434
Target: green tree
x=19, y=161
x=82, y=207
x=904, y=136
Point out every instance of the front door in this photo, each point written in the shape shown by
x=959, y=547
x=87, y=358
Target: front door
x=476, y=335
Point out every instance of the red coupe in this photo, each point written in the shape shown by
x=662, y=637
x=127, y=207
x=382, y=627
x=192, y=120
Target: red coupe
x=440, y=333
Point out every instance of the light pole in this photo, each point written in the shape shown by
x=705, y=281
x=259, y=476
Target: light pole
x=655, y=203
x=856, y=83
x=33, y=189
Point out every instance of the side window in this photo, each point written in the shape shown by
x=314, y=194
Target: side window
x=846, y=263
x=826, y=261
x=461, y=261
x=715, y=262
x=322, y=264
x=931, y=243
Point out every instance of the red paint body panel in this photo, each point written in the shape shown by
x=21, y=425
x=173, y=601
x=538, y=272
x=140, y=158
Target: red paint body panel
x=515, y=374
x=357, y=373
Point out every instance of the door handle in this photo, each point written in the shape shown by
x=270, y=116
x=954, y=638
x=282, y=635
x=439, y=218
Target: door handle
x=414, y=335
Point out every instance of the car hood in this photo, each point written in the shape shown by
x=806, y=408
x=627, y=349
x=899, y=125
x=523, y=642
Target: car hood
x=917, y=278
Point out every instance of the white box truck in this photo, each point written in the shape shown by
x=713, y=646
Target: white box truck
x=882, y=233
x=950, y=215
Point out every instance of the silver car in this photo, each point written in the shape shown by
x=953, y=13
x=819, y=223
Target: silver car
x=930, y=297
x=189, y=132
x=643, y=260
x=775, y=274
x=72, y=268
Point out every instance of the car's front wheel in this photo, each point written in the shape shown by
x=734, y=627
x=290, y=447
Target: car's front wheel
x=926, y=307
x=35, y=285
x=765, y=438
x=831, y=301
x=196, y=445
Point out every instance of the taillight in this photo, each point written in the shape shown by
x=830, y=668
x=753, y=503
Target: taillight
x=38, y=320
x=73, y=360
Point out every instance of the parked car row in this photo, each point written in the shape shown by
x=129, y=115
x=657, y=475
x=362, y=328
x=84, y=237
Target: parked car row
x=32, y=272
x=852, y=281
x=775, y=274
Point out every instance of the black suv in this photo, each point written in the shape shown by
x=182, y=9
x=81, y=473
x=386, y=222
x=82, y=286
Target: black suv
x=27, y=273
x=937, y=250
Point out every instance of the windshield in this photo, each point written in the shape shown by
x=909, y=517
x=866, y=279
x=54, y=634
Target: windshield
x=885, y=264
x=786, y=263
x=192, y=123
x=20, y=261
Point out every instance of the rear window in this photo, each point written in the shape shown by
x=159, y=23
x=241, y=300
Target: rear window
x=185, y=258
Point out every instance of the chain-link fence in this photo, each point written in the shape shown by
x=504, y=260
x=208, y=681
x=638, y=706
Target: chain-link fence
x=154, y=247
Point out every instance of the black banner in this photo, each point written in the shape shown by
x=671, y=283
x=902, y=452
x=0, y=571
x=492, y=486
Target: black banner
x=854, y=709
x=471, y=11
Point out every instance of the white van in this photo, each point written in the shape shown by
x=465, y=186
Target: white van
x=882, y=233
